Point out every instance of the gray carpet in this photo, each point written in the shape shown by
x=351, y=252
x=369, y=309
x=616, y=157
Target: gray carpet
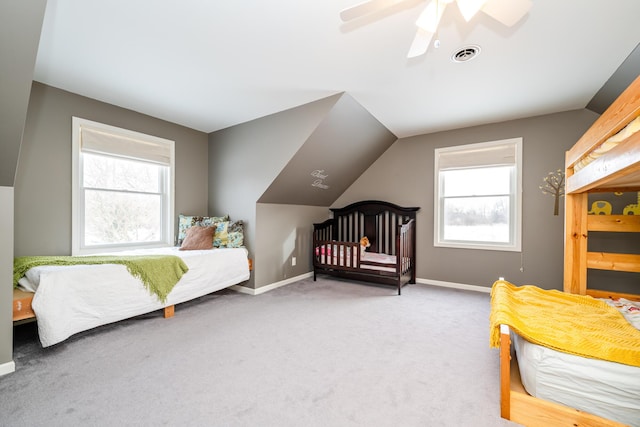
x=325, y=353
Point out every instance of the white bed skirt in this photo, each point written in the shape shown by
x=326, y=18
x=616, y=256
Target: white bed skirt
x=71, y=299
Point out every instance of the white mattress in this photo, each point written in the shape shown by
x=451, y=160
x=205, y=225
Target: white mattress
x=71, y=299
x=607, y=389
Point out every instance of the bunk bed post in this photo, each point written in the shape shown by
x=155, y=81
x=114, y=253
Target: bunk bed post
x=575, y=252
x=505, y=372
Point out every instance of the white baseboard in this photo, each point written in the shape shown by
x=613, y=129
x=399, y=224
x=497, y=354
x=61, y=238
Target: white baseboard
x=267, y=288
x=7, y=368
x=463, y=286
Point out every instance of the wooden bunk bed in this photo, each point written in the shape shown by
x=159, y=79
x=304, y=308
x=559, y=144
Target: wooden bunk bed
x=598, y=162
x=391, y=230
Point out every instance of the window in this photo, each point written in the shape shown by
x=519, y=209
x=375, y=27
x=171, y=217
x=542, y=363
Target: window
x=122, y=189
x=478, y=191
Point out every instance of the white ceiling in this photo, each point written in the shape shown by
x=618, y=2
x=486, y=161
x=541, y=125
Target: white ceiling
x=211, y=64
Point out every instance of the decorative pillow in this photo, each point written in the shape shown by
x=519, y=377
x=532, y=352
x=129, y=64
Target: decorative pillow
x=235, y=233
x=187, y=221
x=229, y=234
x=221, y=236
x=198, y=237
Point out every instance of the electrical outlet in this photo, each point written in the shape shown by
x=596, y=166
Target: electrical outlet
x=293, y=261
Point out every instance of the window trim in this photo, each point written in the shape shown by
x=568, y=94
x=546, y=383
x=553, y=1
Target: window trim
x=77, y=222
x=516, y=194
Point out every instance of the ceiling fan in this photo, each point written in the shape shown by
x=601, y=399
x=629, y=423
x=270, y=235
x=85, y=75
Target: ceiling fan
x=508, y=12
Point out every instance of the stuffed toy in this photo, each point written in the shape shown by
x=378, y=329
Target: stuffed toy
x=364, y=244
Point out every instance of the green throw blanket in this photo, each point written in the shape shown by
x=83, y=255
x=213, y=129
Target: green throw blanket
x=158, y=273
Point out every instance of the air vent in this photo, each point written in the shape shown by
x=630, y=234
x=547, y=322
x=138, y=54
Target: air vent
x=466, y=54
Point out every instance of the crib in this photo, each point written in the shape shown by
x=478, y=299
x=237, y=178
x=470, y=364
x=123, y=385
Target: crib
x=391, y=232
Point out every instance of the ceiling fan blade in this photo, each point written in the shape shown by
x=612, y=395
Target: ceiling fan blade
x=508, y=12
x=420, y=43
x=430, y=16
x=365, y=8
x=468, y=8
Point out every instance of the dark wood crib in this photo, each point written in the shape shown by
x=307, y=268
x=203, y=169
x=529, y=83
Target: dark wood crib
x=391, y=230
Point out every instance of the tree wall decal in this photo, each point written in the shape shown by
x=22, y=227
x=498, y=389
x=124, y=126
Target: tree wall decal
x=554, y=185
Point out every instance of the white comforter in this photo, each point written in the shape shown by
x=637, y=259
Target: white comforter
x=71, y=299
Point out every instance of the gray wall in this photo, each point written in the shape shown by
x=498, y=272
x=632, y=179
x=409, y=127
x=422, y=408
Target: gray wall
x=284, y=232
x=404, y=175
x=43, y=179
x=245, y=159
x=268, y=163
x=20, y=26
x=6, y=276
x=613, y=242
x=344, y=145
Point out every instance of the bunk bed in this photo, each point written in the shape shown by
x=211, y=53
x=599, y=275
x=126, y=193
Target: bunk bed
x=605, y=159
x=390, y=232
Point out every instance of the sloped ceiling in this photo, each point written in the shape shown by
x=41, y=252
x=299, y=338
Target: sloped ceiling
x=346, y=142
x=617, y=83
x=20, y=24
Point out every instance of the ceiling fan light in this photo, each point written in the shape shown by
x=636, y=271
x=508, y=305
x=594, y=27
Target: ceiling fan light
x=507, y=12
x=420, y=43
x=430, y=16
x=364, y=8
x=468, y=8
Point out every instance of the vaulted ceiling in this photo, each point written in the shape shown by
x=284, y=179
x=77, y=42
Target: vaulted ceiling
x=209, y=65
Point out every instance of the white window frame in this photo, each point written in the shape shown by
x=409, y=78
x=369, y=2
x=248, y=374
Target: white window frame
x=77, y=195
x=469, y=158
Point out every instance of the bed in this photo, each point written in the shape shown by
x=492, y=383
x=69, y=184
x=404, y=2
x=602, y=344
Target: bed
x=67, y=299
x=389, y=257
x=605, y=159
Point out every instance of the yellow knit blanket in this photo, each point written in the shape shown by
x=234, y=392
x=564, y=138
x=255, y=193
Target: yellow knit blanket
x=574, y=324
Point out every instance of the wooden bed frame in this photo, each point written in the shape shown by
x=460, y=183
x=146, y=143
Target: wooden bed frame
x=23, y=312
x=616, y=170
x=391, y=230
